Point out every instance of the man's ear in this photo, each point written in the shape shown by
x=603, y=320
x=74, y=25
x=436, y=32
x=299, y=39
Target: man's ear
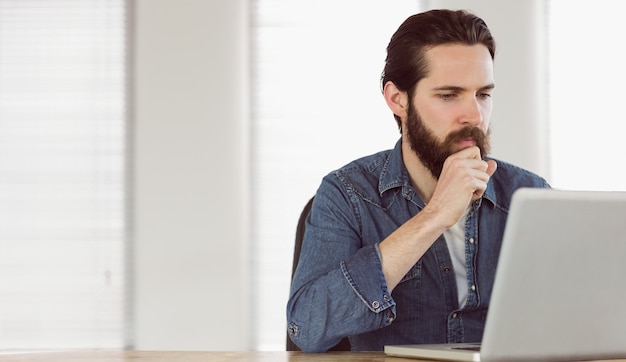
x=396, y=100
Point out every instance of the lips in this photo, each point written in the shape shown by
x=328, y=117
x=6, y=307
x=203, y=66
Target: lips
x=466, y=142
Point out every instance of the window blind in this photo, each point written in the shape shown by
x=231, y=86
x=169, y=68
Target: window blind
x=63, y=226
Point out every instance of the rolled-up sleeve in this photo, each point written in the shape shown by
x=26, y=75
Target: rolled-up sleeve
x=338, y=289
x=364, y=273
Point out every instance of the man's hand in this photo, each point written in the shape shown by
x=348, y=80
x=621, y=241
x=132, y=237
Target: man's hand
x=463, y=179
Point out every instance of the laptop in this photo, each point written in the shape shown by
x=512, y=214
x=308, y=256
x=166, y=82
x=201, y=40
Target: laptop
x=560, y=286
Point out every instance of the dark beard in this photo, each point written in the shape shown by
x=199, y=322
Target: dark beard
x=433, y=153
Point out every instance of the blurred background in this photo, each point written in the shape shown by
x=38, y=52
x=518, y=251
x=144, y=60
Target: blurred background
x=155, y=155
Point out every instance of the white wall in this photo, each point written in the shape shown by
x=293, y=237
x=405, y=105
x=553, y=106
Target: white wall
x=190, y=181
x=191, y=208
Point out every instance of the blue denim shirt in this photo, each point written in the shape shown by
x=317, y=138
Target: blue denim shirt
x=339, y=290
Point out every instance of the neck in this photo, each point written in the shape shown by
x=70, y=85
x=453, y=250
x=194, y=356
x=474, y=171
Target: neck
x=422, y=179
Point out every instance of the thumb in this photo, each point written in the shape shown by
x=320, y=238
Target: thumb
x=492, y=166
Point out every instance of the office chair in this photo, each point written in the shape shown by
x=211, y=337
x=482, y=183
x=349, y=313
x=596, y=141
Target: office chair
x=344, y=344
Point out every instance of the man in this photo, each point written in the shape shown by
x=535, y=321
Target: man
x=402, y=246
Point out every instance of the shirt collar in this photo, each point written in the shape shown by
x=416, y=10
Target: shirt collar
x=490, y=192
x=394, y=172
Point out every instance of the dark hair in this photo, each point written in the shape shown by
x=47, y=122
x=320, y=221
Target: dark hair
x=406, y=65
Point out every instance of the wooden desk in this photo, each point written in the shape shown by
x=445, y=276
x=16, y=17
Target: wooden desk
x=147, y=356
x=171, y=356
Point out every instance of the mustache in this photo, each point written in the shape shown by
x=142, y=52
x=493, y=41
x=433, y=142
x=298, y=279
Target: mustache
x=481, y=138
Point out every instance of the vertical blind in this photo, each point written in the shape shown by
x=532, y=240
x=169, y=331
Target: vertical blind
x=63, y=242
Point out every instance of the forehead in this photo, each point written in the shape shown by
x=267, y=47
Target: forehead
x=459, y=64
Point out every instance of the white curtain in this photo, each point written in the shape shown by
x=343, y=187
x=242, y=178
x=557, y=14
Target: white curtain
x=63, y=241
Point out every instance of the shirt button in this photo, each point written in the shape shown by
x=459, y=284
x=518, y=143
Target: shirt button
x=473, y=287
x=446, y=269
x=471, y=240
x=375, y=304
x=386, y=298
x=454, y=315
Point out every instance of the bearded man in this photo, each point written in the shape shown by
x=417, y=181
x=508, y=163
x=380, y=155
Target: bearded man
x=401, y=247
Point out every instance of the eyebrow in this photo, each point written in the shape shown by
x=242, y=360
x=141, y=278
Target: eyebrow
x=454, y=88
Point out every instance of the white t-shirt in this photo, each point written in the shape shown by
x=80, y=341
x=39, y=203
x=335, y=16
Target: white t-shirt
x=455, y=238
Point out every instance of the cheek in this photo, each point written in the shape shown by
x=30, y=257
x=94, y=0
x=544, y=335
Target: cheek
x=440, y=118
x=486, y=117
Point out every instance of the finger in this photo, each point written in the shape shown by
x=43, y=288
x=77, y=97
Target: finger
x=477, y=194
x=480, y=187
x=472, y=152
x=492, y=166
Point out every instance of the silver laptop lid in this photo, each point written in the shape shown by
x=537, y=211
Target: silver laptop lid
x=560, y=289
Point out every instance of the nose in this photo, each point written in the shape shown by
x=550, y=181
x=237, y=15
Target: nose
x=472, y=112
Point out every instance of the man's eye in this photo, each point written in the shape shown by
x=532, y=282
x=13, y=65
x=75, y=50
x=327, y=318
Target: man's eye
x=447, y=95
x=484, y=95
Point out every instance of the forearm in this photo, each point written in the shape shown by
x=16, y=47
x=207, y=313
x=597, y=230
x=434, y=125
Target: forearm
x=407, y=244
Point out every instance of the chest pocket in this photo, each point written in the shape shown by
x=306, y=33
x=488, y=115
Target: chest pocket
x=407, y=295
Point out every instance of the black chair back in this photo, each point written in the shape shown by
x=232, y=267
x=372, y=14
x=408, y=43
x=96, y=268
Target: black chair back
x=344, y=345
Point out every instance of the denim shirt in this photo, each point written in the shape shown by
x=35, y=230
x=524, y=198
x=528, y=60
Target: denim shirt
x=339, y=290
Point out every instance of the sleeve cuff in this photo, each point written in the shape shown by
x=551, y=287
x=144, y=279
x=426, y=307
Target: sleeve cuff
x=364, y=273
